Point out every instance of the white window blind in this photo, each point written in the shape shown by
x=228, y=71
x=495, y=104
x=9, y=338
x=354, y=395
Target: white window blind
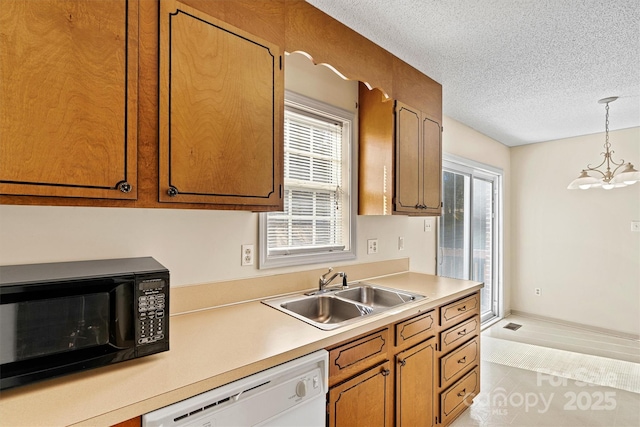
x=314, y=213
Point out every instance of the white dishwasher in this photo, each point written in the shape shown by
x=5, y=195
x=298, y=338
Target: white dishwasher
x=288, y=395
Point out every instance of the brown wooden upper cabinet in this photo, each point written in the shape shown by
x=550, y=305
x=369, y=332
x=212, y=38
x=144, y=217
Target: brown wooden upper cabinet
x=418, y=162
x=400, y=169
x=221, y=112
x=68, y=98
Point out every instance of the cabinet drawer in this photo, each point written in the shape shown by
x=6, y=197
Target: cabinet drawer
x=356, y=356
x=456, y=363
x=459, y=310
x=415, y=329
x=459, y=396
x=456, y=335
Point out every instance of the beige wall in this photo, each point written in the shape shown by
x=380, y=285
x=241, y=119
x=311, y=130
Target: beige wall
x=463, y=141
x=577, y=246
x=198, y=246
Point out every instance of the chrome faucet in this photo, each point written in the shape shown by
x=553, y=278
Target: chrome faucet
x=323, y=281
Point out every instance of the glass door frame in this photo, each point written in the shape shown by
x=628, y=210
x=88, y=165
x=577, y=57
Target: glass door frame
x=476, y=170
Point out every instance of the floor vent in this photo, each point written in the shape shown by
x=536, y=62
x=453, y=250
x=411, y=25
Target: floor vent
x=513, y=326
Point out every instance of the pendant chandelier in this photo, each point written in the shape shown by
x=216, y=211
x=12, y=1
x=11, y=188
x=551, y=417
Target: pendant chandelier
x=606, y=179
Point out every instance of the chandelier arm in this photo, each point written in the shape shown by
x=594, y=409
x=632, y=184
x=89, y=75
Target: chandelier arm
x=615, y=163
x=622, y=163
x=597, y=170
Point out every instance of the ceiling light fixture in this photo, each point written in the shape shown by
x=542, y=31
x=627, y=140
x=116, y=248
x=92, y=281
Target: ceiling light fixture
x=609, y=180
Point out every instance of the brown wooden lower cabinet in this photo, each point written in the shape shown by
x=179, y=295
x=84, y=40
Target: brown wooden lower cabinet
x=364, y=400
x=458, y=357
x=415, y=385
x=133, y=422
x=433, y=377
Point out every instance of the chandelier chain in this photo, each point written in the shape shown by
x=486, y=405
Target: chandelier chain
x=606, y=127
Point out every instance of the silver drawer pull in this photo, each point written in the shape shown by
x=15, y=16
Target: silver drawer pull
x=463, y=392
x=463, y=360
x=463, y=308
x=463, y=332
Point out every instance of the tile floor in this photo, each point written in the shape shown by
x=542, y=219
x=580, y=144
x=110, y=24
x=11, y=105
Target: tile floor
x=554, y=335
x=517, y=389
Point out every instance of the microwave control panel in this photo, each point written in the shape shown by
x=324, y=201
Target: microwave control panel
x=152, y=296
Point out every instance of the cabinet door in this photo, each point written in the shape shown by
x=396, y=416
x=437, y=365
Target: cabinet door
x=415, y=385
x=432, y=166
x=68, y=98
x=408, y=172
x=221, y=109
x=364, y=400
x=418, y=162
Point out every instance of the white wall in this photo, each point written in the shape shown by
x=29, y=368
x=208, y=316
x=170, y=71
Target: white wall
x=198, y=246
x=575, y=245
x=463, y=141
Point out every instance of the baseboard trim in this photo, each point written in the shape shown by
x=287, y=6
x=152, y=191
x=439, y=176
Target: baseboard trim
x=576, y=325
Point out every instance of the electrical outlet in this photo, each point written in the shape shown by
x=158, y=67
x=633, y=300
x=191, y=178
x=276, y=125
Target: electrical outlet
x=427, y=225
x=537, y=291
x=247, y=255
x=401, y=243
x=635, y=226
x=372, y=246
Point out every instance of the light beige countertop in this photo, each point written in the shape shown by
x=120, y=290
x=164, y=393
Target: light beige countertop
x=208, y=348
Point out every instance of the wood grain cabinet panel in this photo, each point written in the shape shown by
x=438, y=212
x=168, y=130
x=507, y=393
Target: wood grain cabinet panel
x=133, y=422
x=416, y=329
x=408, y=160
x=68, y=98
x=375, y=157
x=459, y=334
x=415, y=385
x=364, y=400
x=459, y=396
x=221, y=110
x=458, y=361
x=418, y=162
x=400, y=164
x=460, y=310
x=353, y=357
x=458, y=357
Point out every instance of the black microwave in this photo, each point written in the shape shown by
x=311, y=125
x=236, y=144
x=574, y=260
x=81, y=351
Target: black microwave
x=59, y=318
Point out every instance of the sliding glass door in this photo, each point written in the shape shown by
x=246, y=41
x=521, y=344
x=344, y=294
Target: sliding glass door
x=468, y=234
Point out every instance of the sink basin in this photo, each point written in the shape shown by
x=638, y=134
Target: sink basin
x=377, y=297
x=339, y=307
x=325, y=309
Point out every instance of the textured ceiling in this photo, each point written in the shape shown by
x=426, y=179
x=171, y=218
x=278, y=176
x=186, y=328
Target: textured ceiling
x=519, y=71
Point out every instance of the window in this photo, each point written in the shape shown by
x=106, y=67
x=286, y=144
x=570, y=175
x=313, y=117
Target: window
x=470, y=227
x=317, y=222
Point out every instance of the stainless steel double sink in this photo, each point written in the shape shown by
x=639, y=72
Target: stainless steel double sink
x=339, y=307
